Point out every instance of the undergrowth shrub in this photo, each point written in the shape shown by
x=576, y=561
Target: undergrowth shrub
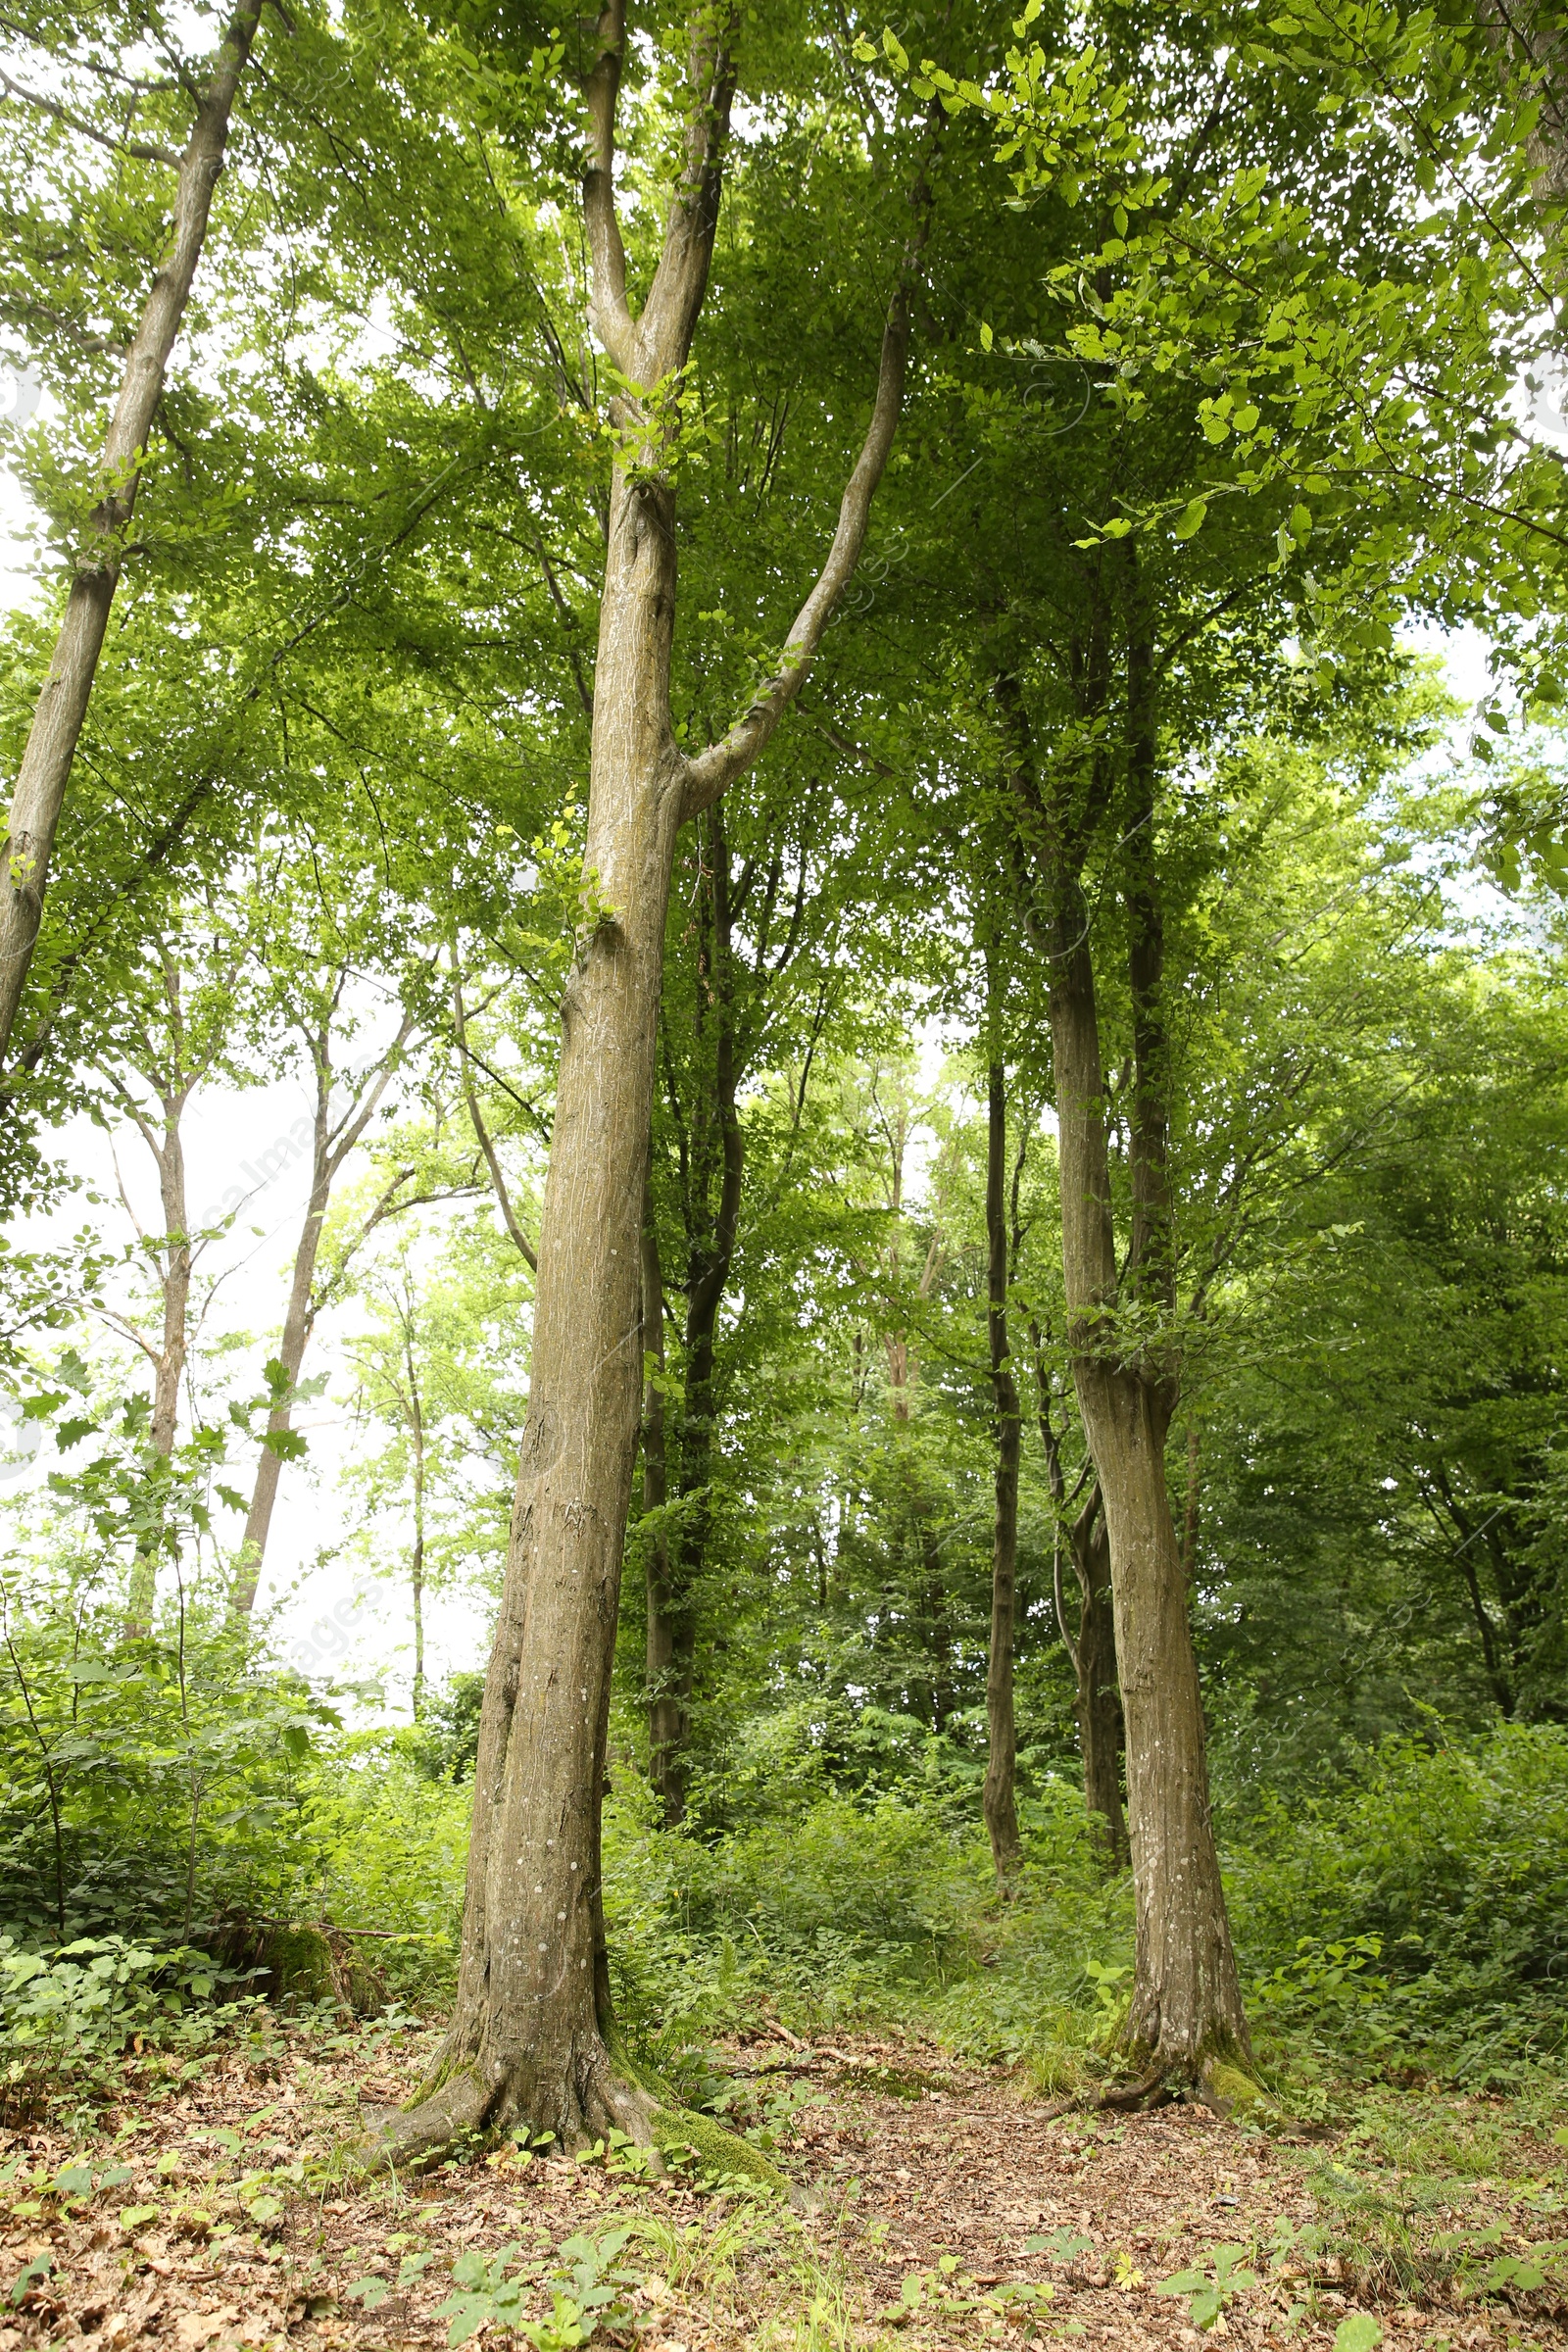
x=1441, y=1876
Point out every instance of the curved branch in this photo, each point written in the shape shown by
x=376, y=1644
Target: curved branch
x=145, y=151
x=713, y=771
x=482, y=1136
x=608, y=311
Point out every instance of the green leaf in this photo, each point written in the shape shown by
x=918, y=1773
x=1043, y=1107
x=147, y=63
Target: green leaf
x=369, y=2293
x=1190, y=521
x=1358, y=2334
x=895, y=51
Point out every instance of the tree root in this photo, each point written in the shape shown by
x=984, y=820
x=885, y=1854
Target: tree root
x=455, y=2105
x=1222, y=2085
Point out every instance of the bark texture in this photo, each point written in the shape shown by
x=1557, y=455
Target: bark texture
x=533, y=2038
x=62, y=707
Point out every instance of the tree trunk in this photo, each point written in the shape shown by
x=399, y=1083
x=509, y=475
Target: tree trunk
x=666, y=1722
x=298, y=1322
x=999, y=1801
x=169, y=1367
x=1099, y=1702
x=711, y=1254
x=416, y=1563
x=534, y=2038
x=175, y=1284
x=61, y=706
x=330, y=1146
x=1091, y=1650
x=1186, y=2017
x=1187, y=2008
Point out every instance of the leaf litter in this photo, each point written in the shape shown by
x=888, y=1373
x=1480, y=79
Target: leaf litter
x=943, y=2206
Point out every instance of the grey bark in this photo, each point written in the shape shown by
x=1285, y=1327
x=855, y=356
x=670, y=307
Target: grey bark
x=666, y=1717
x=62, y=707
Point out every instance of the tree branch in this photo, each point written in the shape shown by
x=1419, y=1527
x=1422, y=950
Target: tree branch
x=144, y=150
x=713, y=771
x=482, y=1133
x=607, y=310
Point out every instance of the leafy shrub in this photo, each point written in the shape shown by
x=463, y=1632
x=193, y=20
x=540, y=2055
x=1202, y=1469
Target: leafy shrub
x=1445, y=1871
x=66, y=2010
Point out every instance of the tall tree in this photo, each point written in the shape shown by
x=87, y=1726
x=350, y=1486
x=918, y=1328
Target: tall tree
x=62, y=707
x=533, y=2036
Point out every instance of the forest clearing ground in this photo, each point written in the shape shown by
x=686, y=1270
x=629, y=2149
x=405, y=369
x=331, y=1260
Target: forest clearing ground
x=916, y=2167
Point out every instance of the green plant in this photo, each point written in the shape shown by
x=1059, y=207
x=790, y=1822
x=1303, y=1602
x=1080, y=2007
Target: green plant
x=587, y=2293
x=1209, y=2290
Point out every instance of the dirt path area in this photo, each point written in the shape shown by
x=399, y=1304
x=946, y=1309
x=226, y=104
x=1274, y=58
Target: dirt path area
x=943, y=2209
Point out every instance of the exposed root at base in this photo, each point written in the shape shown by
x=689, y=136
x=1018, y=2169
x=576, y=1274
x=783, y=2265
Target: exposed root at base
x=459, y=2105
x=1218, y=2083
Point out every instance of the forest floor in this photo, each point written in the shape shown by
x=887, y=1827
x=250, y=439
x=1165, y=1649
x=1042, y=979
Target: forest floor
x=944, y=2206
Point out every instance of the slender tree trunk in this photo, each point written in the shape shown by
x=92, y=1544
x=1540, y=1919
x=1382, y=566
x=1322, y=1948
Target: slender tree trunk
x=169, y=1368
x=998, y=1799
x=1190, y=1507
x=298, y=1322
x=711, y=1254
x=1091, y=1649
x=665, y=1724
x=330, y=1146
x=61, y=706
x=1098, y=1703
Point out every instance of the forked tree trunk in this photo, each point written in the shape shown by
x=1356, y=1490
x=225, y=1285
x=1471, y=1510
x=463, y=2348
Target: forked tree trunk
x=998, y=1798
x=1185, y=2014
x=62, y=707
x=1185, y=2018
x=534, y=2038
x=1092, y=1647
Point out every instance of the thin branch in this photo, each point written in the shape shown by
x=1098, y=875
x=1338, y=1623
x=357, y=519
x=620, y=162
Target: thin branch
x=144, y=150
x=482, y=1135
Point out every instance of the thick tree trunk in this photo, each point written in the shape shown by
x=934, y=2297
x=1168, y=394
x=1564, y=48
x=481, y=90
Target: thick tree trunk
x=62, y=707
x=1186, y=2014
x=532, y=2038
x=999, y=1801
x=666, y=1716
